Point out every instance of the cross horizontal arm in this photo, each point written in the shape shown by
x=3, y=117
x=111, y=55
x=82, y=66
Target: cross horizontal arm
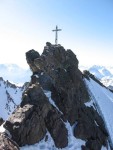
x=57, y=30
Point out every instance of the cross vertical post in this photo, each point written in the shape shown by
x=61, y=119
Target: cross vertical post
x=56, y=34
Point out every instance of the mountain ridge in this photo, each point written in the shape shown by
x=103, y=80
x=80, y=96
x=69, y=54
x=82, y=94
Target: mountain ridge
x=54, y=104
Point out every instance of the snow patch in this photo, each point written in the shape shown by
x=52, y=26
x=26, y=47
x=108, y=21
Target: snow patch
x=42, y=73
x=48, y=95
x=89, y=104
x=36, y=76
x=3, y=130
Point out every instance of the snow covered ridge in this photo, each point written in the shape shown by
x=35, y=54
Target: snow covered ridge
x=104, y=102
x=11, y=97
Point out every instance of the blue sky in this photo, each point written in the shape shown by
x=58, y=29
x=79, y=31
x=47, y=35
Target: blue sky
x=87, y=29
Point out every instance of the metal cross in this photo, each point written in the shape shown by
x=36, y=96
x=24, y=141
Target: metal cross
x=56, y=34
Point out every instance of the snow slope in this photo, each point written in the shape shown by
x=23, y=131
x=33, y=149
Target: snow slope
x=104, y=100
x=10, y=97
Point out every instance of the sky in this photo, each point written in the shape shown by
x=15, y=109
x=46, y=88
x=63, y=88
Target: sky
x=87, y=29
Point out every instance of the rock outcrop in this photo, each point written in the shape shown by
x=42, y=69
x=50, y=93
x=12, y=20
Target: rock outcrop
x=56, y=70
x=29, y=122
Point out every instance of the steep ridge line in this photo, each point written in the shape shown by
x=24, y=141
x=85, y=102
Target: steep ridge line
x=103, y=112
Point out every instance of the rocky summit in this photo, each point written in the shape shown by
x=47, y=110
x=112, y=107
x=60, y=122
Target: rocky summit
x=55, y=70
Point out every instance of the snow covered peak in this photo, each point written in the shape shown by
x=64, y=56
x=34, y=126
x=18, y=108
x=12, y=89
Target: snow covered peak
x=103, y=73
x=100, y=71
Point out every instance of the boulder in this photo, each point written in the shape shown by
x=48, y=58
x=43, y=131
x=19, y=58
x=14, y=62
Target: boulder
x=26, y=125
x=57, y=129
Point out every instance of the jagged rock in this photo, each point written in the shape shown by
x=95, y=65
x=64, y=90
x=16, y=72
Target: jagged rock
x=34, y=95
x=88, y=126
x=1, y=121
x=57, y=129
x=7, y=144
x=58, y=68
x=26, y=125
x=31, y=55
x=62, y=77
x=8, y=84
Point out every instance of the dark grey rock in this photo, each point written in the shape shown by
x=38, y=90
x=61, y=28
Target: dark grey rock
x=26, y=125
x=57, y=129
x=31, y=56
x=87, y=127
x=84, y=148
x=1, y=121
x=93, y=145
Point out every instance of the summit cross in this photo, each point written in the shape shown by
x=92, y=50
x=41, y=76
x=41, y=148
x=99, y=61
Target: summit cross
x=56, y=34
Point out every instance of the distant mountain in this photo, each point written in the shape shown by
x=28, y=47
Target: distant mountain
x=104, y=74
x=14, y=73
x=101, y=71
x=10, y=97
